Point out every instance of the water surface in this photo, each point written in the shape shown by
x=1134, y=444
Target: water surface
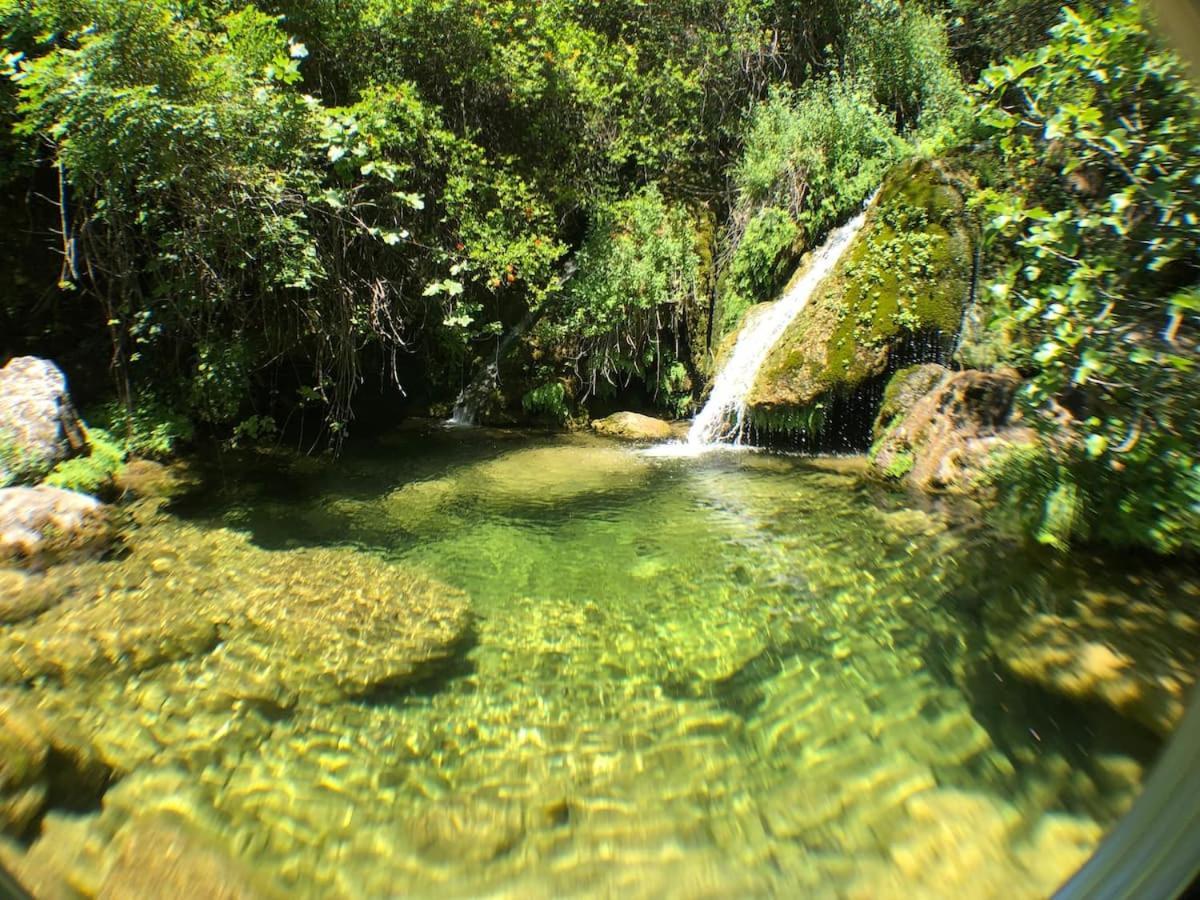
x=732, y=675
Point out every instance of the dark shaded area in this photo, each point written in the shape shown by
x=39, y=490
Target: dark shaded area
x=429, y=679
x=847, y=417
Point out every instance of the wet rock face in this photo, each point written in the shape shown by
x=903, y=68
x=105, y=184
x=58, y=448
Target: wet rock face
x=937, y=429
x=633, y=427
x=898, y=294
x=38, y=425
x=42, y=524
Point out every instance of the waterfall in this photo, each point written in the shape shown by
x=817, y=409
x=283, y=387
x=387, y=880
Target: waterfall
x=464, y=414
x=723, y=419
x=487, y=379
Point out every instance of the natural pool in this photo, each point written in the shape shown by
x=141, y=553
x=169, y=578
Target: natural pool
x=461, y=663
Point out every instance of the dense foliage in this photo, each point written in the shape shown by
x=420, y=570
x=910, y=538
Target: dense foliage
x=622, y=315
x=233, y=215
x=1099, y=132
x=268, y=203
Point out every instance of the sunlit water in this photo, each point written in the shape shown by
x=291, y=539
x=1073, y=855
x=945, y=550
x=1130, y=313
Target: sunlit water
x=734, y=675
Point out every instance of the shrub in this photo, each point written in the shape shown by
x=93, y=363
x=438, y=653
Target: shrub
x=548, y=400
x=900, y=52
x=93, y=473
x=637, y=281
x=151, y=428
x=1098, y=132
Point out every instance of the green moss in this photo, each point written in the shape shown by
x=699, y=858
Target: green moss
x=906, y=275
x=895, y=388
x=901, y=465
x=809, y=420
x=93, y=473
x=903, y=389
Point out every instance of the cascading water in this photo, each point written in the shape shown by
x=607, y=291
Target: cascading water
x=723, y=418
x=463, y=415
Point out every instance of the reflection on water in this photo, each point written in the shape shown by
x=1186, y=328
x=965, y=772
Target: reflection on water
x=477, y=663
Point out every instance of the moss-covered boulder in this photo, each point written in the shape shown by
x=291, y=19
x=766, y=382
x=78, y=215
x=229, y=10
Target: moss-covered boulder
x=938, y=430
x=897, y=295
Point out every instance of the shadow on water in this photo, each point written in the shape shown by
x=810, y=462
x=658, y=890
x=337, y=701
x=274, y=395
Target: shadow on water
x=429, y=679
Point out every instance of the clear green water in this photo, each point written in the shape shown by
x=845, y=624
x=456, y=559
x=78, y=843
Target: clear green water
x=739, y=675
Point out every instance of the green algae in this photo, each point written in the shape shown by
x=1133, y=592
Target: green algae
x=678, y=678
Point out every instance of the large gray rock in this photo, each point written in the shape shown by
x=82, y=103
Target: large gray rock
x=38, y=425
x=42, y=524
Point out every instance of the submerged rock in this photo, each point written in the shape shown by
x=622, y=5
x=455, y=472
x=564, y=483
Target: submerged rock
x=22, y=770
x=43, y=524
x=163, y=856
x=1127, y=647
x=38, y=425
x=22, y=596
x=556, y=474
x=57, y=866
x=329, y=624
x=40, y=757
x=938, y=429
x=275, y=627
x=898, y=292
x=633, y=427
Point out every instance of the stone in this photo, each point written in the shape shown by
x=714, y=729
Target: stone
x=359, y=626
x=903, y=391
x=633, y=426
x=1075, y=657
x=22, y=595
x=58, y=865
x=38, y=425
x=938, y=429
x=267, y=627
x=44, y=524
x=164, y=856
